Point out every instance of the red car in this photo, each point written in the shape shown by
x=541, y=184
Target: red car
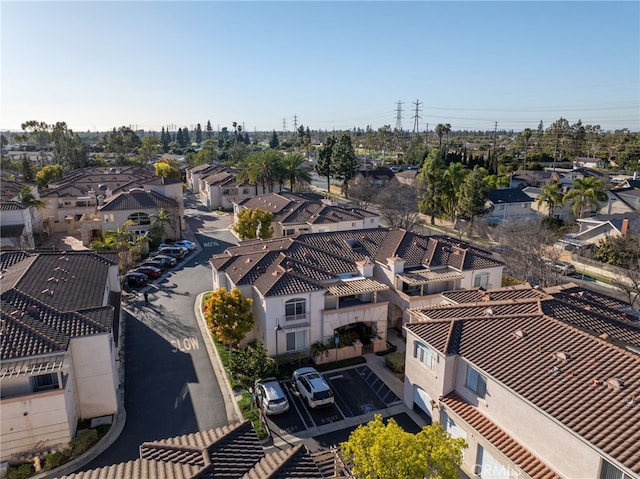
x=150, y=271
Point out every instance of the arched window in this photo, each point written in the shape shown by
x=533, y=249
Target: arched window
x=140, y=219
x=295, y=309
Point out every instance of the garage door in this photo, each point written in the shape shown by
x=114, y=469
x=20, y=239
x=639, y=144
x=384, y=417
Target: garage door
x=422, y=400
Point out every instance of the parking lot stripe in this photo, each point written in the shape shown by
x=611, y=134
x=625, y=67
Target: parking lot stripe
x=294, y=401
x=335, y=392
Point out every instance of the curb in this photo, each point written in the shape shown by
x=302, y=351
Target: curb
x=233, y=413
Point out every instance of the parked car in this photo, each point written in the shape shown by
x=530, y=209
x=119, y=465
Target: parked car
x=135, y=280
x=564, y=268
x=152, y=272
x=270, y=397
x=169, y=261
x=175, y=251
x=155, y=263
x=312, y=386
x=190, y=245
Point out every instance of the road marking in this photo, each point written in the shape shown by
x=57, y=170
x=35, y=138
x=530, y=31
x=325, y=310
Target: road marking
x=339, y=376
x=184, y=345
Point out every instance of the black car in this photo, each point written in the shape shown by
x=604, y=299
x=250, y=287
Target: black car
x=155, y=263
x=135, y=280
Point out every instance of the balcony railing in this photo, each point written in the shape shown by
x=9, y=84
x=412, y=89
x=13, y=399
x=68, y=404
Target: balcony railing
x=296, y=317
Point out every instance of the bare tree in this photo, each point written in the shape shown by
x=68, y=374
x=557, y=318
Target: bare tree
x=529, y=253
x=361, y=191
x=398, y=205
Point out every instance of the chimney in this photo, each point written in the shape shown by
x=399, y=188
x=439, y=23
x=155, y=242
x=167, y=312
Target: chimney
x=625, y=227
x=365, y=267
x=396, y=265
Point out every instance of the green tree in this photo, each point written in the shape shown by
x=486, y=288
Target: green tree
x=442, y=129
x=198, y=134
x=209, y=131
x=431, y=186
x=473, y=196
x=323, y=165
x=159, y=222
x=452, y=180
x=48, y=174
x=295, y=170
x=623, y=252
x=551, y=196
x=229, y=315
x=166, y=170
x=254, y=223
x=343, y=160
x=150, y=147
x=26, y=167
x=26, y=197
x=274, y=142
x=250, y=364
x=586, y=193
x=386, y=451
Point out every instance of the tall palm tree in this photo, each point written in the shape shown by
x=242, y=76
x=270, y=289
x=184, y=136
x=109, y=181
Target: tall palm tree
x=585, y=193
x=159, y=222
x=440, y=129
x=295, y=170
x=551, y=196
x=26, y=197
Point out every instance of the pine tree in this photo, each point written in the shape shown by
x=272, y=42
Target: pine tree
x=209, y=133
x=274, y=142
x=198, y=134
x=185, y=136
x=180, y=138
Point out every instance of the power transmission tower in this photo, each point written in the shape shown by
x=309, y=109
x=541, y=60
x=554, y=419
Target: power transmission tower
x=416, y=116
x=284, y=125
x=399, y=116
x=295, y=123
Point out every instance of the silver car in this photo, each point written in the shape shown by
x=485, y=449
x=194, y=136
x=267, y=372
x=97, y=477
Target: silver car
x=270, y=397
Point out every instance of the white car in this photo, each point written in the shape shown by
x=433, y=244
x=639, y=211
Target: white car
x=312, y=386
x=190, y=245
x=270, y=397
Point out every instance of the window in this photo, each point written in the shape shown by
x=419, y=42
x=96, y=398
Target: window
x=295, y=309
x=481, y=280
x=45, y=381
x=140, y=219
x=609, y=471
x=289, y=232
x=296, y=340
x=476, y=382
x=425, y=355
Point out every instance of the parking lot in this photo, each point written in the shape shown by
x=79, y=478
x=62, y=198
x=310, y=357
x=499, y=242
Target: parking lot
x=356, y=391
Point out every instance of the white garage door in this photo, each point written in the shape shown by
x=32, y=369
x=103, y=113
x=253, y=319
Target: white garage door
x=422, y=400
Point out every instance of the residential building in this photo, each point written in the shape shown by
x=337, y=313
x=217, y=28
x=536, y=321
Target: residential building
x=407, y=177
x=20, y=223
x=534, y=178
x=508, y=204
x=597, y=228
x=377, y=176
x=310, y=287
x=217, y=186
x=230, y=452
x=540, y=383
x=60, y=320
x=586, y=162
x=73, y=203
x=295, y=213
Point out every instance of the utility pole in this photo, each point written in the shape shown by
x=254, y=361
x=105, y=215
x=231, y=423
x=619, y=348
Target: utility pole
x=426, y=134
x=493, y=156
x=416, y=116
x=399, y=116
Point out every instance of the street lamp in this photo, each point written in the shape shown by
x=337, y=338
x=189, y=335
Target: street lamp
x=278, y=328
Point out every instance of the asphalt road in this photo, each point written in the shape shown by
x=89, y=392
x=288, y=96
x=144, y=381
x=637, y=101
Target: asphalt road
x=170, y=386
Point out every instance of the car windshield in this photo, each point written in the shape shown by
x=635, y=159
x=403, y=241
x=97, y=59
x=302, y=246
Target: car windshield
x=277, y=401
x=321, y=394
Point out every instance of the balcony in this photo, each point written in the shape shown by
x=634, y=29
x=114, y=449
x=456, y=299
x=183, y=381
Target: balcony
x=370, y=313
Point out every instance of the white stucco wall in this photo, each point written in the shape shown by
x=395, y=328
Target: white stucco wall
x=95, y=375
x=37, y=420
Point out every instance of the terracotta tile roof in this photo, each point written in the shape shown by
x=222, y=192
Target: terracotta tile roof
x=98, y=179
x=478, y=310
x=12, y=206
x=511, y=448
x=9, y=258
x=574, y=392
x=137, y=200
x=354, y=287
x=222, y=178
x=587, y=295
x=44, y=305
x=9, y=189
x=287, y=265
x=230, y=452
x=516, y=292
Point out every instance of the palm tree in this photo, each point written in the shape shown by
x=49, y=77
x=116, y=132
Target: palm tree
x=440, y=129
x=159, y=222
x=551, y=196
x=26, y=197
x=586, y=193
x=295, y=170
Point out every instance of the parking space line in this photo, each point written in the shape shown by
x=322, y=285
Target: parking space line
x=292, y=401
x=335, y=392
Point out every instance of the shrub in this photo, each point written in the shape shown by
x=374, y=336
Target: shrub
x=391, y=348
x=251, y=413
x=395, y=362
x=55, y=459
x=20, y=472
x=83, y=441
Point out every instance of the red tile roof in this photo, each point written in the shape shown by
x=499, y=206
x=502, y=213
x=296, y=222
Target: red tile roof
x=511, y=448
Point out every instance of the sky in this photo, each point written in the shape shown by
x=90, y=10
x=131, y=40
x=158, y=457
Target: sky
x=326, y=65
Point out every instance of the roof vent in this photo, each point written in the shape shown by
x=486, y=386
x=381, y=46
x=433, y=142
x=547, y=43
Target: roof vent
x=614, y=383
x=604, y=336
x=248, y=260
x=562, y=356
x=520, y=334
x=488, y=312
